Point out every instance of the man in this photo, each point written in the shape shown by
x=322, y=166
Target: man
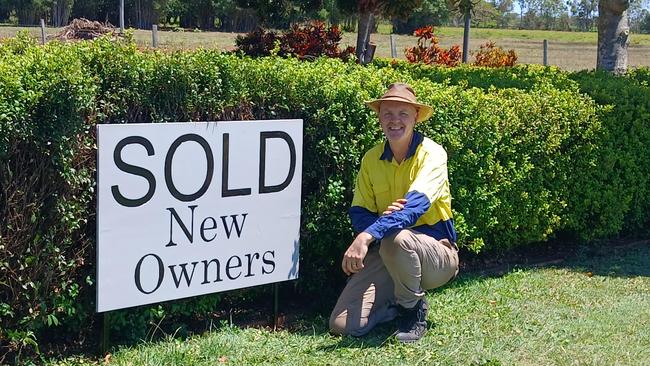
x=402, y=213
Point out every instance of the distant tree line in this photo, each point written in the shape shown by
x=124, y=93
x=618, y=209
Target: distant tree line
x=245, y=15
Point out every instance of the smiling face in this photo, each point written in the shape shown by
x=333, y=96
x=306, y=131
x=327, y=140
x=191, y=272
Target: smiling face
x=397, y=120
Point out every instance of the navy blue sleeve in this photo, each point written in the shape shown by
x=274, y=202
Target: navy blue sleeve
x=361, y=218
x=416, y=205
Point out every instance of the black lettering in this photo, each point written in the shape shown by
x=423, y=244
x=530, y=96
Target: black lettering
x=251, y=257
x=188, y=233
x=204, y=229
x=206, y=265
x=188, y=279
x=168, y=167
x=292, y=163
x=234, y=222
x=138, y=275
x=135, y=170
x=225, y=191
x=268, y=262
x=229, y=267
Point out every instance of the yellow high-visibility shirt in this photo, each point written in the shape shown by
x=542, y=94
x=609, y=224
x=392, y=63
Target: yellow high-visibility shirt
x=421, y=179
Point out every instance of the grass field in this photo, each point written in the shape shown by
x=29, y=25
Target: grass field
x=592, y=309
x=568, y=50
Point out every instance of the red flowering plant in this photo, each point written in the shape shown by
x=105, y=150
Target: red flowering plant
x=307, y=41
x=257, y=43
x=428, y=50
x=489, y=55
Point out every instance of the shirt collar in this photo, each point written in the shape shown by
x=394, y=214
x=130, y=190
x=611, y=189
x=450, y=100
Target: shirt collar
x=415, y=142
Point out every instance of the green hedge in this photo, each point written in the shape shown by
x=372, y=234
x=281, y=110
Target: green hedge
x=533, y=153
x=524, y=77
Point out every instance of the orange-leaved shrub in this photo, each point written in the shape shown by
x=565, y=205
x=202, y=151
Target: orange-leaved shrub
x=489, y=55
x=428, y=50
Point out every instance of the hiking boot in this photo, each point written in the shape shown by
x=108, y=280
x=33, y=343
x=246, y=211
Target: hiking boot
x=412, y=323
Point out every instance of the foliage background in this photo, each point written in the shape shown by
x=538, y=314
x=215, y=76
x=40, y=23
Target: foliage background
x=245, y=15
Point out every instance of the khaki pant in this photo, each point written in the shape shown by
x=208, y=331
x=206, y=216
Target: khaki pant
x=396, y=272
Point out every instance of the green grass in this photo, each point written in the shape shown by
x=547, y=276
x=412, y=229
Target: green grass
x=537, y=35
x=593, y=310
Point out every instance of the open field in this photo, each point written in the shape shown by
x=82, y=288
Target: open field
x=567, y=50
x=592, y=309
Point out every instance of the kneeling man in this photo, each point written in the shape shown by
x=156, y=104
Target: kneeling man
x=406, y=241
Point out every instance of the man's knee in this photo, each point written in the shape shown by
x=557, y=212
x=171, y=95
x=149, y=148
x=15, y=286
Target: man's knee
x=337, y=325
x=340, y=326
x=393, y=244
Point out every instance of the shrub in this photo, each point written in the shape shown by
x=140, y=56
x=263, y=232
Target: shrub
x=614, y=197
x=524, y=77
x=306, y=41
x=46, y=164
x=489, y=55
x=428, y=51
x=259, y=42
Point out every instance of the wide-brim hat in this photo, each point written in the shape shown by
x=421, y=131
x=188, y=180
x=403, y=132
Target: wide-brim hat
x=402, y=92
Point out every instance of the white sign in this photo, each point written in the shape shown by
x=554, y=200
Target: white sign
x=186, y=209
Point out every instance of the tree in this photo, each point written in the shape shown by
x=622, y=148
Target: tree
x=465, y=7
x=147, y=12
x=61, y=12
x=485, y=15
x=644, y=24
x=550, y=12
x=613, y=33
x=430, y=12
x=522, y=6
x=29, y=11
x=583, y=11
x=282, y=13
x=367, y=11
x=636, y=13
x=504, y=9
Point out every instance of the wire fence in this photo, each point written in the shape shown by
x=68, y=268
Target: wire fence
x=565, y=55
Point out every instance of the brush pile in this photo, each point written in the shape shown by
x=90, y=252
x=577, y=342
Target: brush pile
x=82, y=28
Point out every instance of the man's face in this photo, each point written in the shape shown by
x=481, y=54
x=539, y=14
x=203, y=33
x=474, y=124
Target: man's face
x=397, y=120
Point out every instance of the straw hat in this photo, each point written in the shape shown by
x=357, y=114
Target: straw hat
x=402, y=92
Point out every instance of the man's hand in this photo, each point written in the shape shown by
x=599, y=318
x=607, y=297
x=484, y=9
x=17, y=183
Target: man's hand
x=395, y=206
x=353, y=257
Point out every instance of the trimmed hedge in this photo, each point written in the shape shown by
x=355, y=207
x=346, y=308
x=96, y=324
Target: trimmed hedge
x=533, y=153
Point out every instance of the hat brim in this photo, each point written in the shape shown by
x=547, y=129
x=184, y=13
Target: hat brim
x=424, y=111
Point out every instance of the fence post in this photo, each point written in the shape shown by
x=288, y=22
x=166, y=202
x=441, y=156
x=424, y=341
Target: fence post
x=545, y=52
x=42, y=31
x=393, y=46
x=154, y=35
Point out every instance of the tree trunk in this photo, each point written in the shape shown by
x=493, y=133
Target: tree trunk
x=145, y=15
x=613, y=33
x=364, y=50
x=468, y=18
x=61, y=12
x=26, y=15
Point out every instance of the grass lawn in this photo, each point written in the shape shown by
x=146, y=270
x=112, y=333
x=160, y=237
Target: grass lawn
x=592, y=309
x=568, y=50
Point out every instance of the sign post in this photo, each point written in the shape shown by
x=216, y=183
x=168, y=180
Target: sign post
x=186, y=209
